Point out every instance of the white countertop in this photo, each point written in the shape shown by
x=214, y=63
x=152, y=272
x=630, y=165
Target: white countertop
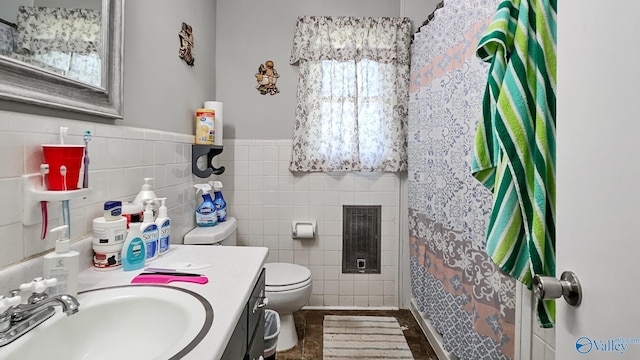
x=233, y=273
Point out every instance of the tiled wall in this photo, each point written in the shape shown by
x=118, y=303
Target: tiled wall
x=265, y=197
x=543, y=342
x=120, y=158
x=261, y=192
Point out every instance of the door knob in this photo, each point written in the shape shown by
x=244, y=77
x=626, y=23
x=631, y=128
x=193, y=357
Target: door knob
x=548, y=287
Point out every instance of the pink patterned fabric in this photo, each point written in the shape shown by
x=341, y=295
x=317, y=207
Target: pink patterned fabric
x=464, y=295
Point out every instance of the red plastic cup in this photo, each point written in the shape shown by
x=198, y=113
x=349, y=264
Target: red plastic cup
x=58, y=155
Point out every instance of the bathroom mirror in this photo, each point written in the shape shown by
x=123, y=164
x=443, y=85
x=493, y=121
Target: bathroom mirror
x=63, y=54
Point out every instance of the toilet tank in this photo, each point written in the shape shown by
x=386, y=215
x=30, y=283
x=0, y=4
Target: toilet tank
x=223, y=233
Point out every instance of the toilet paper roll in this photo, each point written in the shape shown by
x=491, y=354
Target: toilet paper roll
x=303, y=231
x=218, y=122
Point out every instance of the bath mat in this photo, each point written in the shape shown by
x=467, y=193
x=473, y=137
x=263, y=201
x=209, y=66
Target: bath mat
x=363, y=337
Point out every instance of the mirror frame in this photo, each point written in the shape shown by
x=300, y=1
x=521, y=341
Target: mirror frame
x=27, y=84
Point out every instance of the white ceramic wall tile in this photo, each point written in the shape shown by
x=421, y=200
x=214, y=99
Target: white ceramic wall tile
x=11, y=244
x=346, y=300
x=13, y=144
x=12, y=204
x=331, y=300
x=537, y=349
x=331, y=287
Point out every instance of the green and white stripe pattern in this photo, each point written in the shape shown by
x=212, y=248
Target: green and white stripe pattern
x=516, y=140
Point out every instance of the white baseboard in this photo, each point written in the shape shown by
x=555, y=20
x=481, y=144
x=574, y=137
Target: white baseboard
x=350, y=308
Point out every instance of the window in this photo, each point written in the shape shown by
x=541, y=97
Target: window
x=352, y=94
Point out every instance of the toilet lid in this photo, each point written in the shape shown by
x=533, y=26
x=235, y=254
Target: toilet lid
x=282, y=274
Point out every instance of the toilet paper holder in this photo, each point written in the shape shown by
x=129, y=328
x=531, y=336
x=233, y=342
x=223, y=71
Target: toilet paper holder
x=298, y=229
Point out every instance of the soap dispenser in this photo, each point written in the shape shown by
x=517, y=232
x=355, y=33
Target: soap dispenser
x=149, y=231
x=164, y=227
x=146, y=193
x=62, y=264
x=206, y=214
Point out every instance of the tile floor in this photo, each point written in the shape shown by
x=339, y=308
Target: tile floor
x=309, y=327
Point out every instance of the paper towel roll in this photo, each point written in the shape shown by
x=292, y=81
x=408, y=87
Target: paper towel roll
x=218, y=123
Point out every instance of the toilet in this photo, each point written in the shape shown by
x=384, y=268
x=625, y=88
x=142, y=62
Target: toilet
x=224, y=233
x=287, y=286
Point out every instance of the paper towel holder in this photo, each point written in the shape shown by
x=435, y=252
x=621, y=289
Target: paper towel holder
x=197, y=151
x=294, y=229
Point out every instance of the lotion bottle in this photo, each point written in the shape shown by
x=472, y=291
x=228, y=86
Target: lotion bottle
x=134, y=250
x=62, y=264
x=146, y=193
x=149, y=231
x=164, y=227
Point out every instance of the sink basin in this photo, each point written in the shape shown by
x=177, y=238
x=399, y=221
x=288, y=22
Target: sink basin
x=123, y=322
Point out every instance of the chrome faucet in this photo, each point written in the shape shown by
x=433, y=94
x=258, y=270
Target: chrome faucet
x=17, y=319
x=22, y=312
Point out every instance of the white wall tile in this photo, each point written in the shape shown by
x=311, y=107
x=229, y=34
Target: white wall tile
x=11, y=243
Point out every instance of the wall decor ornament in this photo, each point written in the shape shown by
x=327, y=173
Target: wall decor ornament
x=267, y=77
x=186, y=44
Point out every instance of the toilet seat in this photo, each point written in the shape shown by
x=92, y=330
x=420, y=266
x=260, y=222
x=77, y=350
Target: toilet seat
x=286, y=277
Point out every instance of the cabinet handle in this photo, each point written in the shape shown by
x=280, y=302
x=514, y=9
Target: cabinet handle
x=262, y=304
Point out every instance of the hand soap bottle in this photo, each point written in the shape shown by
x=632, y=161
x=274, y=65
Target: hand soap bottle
x=218, y=201
x=206, y=214
x=146, y=193
x=164, y=227
x=62, y=264
x=149, y=231
x=134, y=250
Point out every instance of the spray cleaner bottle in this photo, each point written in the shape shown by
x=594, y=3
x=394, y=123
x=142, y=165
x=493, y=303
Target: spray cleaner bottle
x=206, y=214
x=218, y=201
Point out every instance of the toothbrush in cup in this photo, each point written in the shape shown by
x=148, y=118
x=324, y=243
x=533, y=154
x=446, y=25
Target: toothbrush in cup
x=66, y=214
x=44, y=170
x=85, y=178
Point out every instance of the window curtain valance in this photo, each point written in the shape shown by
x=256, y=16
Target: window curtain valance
x=380, y=39
x=44, y=30
x=353, y=93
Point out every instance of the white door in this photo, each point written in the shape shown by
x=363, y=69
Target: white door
x=598, y=177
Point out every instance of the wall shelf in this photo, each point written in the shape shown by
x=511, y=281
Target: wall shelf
x=197, y=151
x=34, y=194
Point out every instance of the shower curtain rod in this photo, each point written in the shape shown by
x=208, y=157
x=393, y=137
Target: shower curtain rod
x=430, y=17
x=8, y=23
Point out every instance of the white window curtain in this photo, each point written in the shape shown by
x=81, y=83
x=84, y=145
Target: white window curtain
x=352, y=98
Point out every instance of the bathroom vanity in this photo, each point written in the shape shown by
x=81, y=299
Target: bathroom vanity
x=235, y=291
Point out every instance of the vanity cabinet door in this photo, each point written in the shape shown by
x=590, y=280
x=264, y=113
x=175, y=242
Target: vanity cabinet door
x=256, y=306
x=256, y=319
x=256, y=345
x=237, y=346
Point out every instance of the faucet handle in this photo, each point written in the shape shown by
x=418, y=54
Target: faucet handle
x=38, y=285
x=9, y=302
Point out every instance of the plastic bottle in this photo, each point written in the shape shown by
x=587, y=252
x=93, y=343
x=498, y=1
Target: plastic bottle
x=206, y=214
x=164, y=227
x=62, y=264
x=146, y=193
x=134, y=250
x=149, y=231
x=218, y=201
